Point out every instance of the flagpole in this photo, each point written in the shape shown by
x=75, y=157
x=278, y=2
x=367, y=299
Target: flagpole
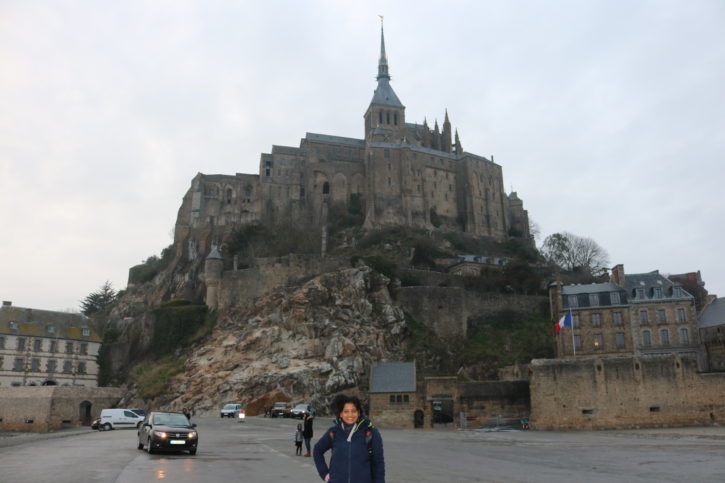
x=573, y=346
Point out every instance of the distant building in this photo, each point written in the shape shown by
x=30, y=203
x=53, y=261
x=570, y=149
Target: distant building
x=393, y=395
x=711, y=324
x=637, y=314
x=42, y=348
x=471, y=265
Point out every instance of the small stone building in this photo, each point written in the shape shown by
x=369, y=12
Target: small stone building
x=393, y=395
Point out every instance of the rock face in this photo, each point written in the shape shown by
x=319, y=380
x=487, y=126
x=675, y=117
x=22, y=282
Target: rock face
x=307, y=342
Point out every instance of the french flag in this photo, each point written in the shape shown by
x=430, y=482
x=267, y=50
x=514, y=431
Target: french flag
x=565, y=321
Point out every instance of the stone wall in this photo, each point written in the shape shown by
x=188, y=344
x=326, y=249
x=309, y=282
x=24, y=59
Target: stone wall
x=624, y=392
x=385, y=414
x=48, y=408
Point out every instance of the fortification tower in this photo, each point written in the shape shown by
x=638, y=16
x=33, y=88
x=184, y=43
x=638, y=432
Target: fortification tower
x=213, y=267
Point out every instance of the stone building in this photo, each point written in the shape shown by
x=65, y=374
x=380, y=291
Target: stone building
x=637, y=314
x=711, y=324
x=400, y=173
x=393, y=396
x=42, y=347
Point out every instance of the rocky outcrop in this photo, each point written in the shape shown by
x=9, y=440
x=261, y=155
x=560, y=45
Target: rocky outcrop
x=308, y=342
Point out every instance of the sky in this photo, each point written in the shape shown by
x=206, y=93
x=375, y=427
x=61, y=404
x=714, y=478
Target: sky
x=607, y=116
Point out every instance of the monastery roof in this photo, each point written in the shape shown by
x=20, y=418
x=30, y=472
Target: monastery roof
x=34, y=322
x=393, y=377
x=294, y=151
x=325, y=138
x=384, y=95
x=712, y=315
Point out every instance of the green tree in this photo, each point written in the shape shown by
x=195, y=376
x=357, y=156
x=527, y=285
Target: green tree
x=98, y=300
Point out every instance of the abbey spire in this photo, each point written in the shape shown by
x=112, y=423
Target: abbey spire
x=385, y=110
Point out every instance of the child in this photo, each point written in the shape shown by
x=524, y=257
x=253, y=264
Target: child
x=298, y=440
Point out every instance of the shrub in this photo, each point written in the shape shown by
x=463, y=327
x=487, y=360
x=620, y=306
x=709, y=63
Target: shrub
x=381, y=265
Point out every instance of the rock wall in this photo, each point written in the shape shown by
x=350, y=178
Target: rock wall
x=624, y=392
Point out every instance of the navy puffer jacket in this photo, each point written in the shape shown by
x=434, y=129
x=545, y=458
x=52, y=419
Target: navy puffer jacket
x=351, y=461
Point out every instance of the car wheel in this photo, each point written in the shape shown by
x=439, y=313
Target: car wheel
x=140, y=445
x=192, y=452
x=149, y=448
x=107, y=427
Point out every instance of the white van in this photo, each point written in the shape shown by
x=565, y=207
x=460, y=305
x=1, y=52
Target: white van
x=119, y=419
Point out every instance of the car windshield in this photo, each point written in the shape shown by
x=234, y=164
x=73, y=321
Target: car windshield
x=301, y=406
x=230, y=406
x=173, y=419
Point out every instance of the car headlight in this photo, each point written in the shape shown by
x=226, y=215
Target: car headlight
x=192, y=434
x=161, y=434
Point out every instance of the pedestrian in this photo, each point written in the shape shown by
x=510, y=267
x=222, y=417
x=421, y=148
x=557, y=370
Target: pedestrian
x=298, y=440
x=307, y=433
x=186, y=413
x=357, y=447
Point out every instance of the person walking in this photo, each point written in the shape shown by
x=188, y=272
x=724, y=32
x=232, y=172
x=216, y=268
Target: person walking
x=357, y=447
x=298, y=440
x=307, y=433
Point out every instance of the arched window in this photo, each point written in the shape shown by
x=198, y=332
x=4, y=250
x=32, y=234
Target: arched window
x=229, y=195
x=380, y=117
x=395, y=118
x=326, y=188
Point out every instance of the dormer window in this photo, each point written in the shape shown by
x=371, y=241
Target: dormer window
x=86, y=331
x=640, y=293
x=13, y=325
x=573, y=301
x=614, y=297
x=51, y=329
x=593, y=299
x=657, y=292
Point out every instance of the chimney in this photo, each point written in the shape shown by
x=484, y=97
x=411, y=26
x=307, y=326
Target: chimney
x=617, y=275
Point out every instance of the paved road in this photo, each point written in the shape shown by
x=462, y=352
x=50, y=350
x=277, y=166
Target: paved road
x=261, y=450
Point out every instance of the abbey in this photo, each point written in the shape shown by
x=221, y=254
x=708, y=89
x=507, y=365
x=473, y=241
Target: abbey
x=400, y=173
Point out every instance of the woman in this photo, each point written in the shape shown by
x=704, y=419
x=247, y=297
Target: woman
x=307, y=432
x=357, y=447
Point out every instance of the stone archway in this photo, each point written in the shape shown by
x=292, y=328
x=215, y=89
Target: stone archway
x=84, y=413
x=418, y=418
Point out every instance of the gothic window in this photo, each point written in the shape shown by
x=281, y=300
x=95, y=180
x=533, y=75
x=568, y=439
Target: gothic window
x=646, y=338
x=326, y=188
x=596, y=320
x=681, y=315
x=51, y=365
x=619, y=340
x=684, y=336
x=38, y=345
x=665, y=337
x=617, y=319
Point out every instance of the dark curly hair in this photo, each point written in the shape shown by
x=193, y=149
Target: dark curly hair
x=338, y=403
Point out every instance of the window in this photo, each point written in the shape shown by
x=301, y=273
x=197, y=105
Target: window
x=2, y=359
x=386, y=153
x=395, y=118
x=617, y=319
x=399, y=398
x=380, y=117
x=681, y=318
x=665, y=337
x=640, y=293
x=684, y=336
x=575, y=321
x=392, y=398
x=53, y=346
x=35, y=365
x=326, y=188
x=596, y=320
x=69, y=347
x=619, y=340
x=614, y=297
x=573, y=301
x=51, y=329
x=38, y=345
x=646, y=338
x=81, y=368
x=643, y=317
x=2, y=342
x=598, y=341
x=84, y=348
x=577, y=342
x=390, y=182
x=657, y=292
x=18, y=364
x=406, y=398
x=661, y=316
x=67, y=365
x=593, y=299
x=387, y=117
x=229, y=200
x=13, y=325
x=51, y=365
x=21, y=343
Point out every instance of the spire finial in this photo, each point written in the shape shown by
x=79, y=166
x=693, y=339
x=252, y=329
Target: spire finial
x=383, y=62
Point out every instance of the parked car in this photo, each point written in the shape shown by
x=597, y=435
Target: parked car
x=280, y=409
x=119, y=418
x=230, y=410
x=300, y=410
x=167, y=432
x=96, y=424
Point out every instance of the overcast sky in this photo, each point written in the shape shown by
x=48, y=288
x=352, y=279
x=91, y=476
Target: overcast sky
x=608, y=117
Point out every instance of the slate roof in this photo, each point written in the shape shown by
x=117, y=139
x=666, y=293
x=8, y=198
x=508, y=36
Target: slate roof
x=591, y=288
x=392, y=377
x=385, y=95
x=34, y=322
x=712, y=315
x=335, y=139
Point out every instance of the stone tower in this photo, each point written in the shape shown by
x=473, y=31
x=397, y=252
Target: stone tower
x=213, y=267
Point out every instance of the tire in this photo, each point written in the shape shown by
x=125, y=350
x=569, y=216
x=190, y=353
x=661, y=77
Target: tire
x=107, y=427
x=148, y=446
x=140, y=445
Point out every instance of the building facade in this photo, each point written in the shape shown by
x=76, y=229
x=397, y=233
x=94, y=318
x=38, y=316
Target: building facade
x=711, y=324
x=399, y=173
x=46, y=348
x=637, y=314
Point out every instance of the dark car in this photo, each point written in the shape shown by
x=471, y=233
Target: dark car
x=300, y=410
x=96, y=424
x=280, y=410
x=167, y=432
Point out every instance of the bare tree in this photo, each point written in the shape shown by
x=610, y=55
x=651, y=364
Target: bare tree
x=572, y=252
